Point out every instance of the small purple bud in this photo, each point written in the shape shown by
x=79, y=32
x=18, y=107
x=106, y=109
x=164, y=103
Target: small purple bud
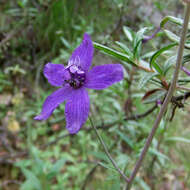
x=185, y=70
x=158, y=102
x=147, y=38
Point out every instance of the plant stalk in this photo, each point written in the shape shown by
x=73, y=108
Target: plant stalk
x=167, y=99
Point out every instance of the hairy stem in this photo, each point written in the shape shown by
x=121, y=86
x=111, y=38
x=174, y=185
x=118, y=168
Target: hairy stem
x=167, y=99
x=107, y=152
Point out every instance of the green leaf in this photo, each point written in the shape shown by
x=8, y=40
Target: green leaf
x=115, y=183
x=123, y=159
x=139, y=35
x=146, y=77
x=178, y=139
x=172, y=19
x=27, y=185
x=107, y=166
x=186, y=58
x=138, y=42
x=171, y=36
x=174, y=37
x=22, y=3
x=128, y=33
x=65, y=43
x=39, y=165
x=56, y=168
x=114, y=53
x=125, y=48
x=157, y=67
x=125, y=138
x=100, y=155
x=137, y=50
x=142, y=183
x=157, y=54
x=169, y=62
x=183, y=81
x=148, y=55
x=32, y=178
x=159, y=154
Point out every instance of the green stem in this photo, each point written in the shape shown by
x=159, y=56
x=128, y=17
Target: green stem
x=107, y=152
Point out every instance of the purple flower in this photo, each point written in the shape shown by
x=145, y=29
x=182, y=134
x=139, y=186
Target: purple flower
x=73, y=81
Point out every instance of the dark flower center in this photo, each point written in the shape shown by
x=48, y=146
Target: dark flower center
x=77, y=76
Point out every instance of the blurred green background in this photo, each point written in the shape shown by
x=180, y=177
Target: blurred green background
x=41, y=155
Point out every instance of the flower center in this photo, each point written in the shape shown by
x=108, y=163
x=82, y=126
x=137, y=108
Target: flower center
x=77, y=76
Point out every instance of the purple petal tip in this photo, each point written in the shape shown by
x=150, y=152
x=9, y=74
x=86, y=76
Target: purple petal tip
x=86, y=35
x=38, y=117
x=73, y=132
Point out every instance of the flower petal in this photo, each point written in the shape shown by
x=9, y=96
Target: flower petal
x=55, y=73
x=102, y=76
x=82, y=55
x=53, y=102
x=76, y=110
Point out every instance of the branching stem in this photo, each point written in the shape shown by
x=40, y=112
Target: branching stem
x=107, y=152
x=167, y=99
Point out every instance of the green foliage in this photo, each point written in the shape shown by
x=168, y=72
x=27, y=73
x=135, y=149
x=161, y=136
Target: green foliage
x=114, y=53
x=38, y=173
x=157, y=54
x=42, y=31
x=172, y=19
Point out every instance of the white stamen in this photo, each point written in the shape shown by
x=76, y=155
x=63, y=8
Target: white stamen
x=80, y=72
x=73, y=69
x=77, y=61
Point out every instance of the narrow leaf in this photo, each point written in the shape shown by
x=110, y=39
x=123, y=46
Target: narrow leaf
x=174, y=38
x=107, y=166
x=56, y=168
x=145, y=79
x=128, y=33
x=169, y=62
x=172, y=19
x=178, y=139
x=125, y=138
x=125, y=48
x=138, y=42
x=32, y=178
x=157, y=54
x=114, y=53
x=159, y=154
x=149, y=93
